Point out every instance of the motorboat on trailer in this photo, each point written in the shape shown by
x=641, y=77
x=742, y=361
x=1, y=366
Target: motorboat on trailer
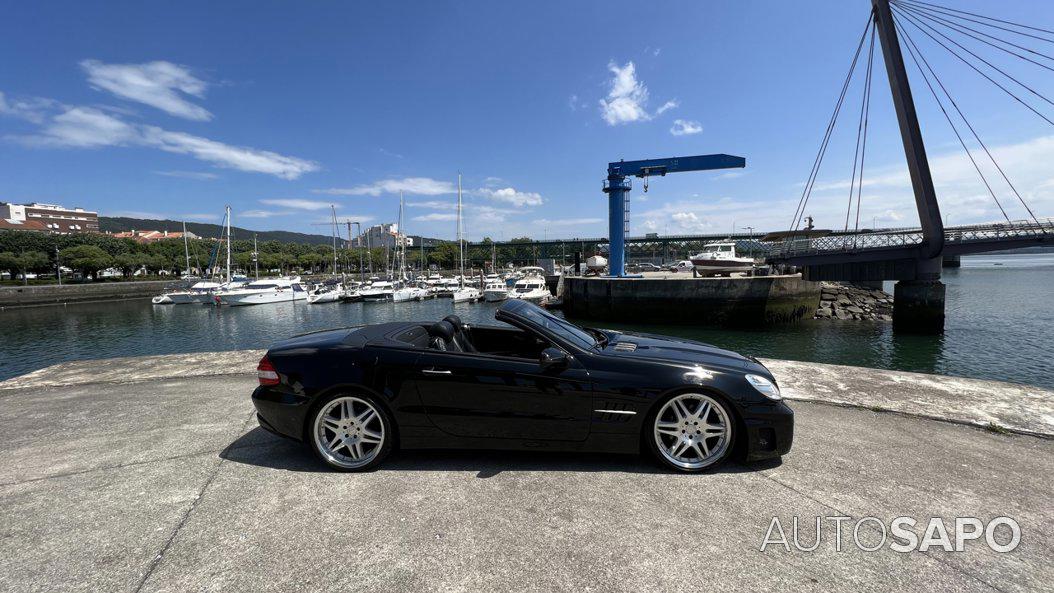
x=721, y=258
x=264, y=291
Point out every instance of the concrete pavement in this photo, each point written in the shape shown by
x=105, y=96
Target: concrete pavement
x=167, y=485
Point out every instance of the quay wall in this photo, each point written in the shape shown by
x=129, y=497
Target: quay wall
x=750, y=301
x=53, y=294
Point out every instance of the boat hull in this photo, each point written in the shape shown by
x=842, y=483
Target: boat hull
x=242, y=300
x=721, y=266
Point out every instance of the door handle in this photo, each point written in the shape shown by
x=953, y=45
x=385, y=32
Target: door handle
x=435, y=372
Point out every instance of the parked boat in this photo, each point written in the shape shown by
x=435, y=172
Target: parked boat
x=495, y=291
x=596, y=264
x=381, y=290
x=265, y=291
x=327, y=292
x=410, y=293
x=721, y=258
x=532, y=286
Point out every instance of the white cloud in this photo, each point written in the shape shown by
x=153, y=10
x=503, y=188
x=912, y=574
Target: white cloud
x=158, y=84
x=433, y=204
x=573, y=102
x=730, y=175
x=435, y=216
x=509, y=195
x=685, y=127
x=627, y=98
x=261, y=213
x=423, y=186
x=568, y=221
x=87, y=127
x=296, y=203
x=690, y=222
x=32, y=110
x=667, y=106
x=200, y=175
x=389, y=153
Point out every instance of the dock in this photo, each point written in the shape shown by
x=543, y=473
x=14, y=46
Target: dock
x=150, y=474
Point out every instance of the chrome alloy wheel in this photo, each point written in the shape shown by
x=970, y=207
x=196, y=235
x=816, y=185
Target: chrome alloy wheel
x=349, y=432
x=693, y=431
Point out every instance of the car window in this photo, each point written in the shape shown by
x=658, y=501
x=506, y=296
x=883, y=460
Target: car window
x=565, y=329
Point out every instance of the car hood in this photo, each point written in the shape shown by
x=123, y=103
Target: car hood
x=634, y=345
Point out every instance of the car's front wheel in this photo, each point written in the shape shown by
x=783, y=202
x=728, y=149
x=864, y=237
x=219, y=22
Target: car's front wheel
x=692, y=432
x=351, y=433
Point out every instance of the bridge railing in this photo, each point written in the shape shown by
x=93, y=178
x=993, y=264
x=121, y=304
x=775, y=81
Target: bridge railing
x=899, y=238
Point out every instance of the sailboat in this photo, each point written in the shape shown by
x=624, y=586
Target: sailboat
x=331, y=290
x=203, y=292
x=409, y=291
x=464, y=293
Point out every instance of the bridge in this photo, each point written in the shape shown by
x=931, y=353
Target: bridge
x=913, y=256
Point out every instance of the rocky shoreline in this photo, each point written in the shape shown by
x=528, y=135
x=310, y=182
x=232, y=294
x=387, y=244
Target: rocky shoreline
x=854, y=303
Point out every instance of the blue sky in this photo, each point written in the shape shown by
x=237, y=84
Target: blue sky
x=280, y=109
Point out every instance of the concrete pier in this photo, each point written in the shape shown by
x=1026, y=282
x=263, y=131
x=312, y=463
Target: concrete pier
x=918, y=306
x=143, y=475
x=87, y=292
x=748, y=301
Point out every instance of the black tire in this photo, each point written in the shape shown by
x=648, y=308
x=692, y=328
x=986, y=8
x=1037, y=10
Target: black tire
x=698, y=433
x=346, y=438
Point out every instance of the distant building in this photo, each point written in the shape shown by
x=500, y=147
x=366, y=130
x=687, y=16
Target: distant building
x=381, y=235
x=152, y=236
x=53, y=218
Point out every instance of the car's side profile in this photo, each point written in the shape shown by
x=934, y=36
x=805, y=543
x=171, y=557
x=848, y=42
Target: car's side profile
x=539, y=383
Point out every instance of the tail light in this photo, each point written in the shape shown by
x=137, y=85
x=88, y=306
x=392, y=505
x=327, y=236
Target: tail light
x=265, y=372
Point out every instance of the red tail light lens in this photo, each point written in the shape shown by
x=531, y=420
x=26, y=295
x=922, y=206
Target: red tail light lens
x=265, y=372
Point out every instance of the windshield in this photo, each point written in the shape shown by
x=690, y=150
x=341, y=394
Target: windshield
x=565, y=329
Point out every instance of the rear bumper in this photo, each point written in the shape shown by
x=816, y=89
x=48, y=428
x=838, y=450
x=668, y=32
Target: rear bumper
x=281, y=412
x=769, y=430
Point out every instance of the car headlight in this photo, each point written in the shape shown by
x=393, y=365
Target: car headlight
x=764, y=386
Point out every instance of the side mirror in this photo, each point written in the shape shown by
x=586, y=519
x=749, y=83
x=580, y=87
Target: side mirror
x=553, y=360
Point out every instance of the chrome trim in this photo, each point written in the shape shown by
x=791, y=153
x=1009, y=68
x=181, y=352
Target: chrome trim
x=628, y=412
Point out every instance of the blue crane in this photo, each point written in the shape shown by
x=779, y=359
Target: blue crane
x=617, y=187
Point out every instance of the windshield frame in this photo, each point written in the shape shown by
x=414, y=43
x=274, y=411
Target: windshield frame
x=539, y=320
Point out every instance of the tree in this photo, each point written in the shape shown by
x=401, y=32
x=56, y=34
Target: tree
x=128, y=263
x=86, y=259
x=446, y=255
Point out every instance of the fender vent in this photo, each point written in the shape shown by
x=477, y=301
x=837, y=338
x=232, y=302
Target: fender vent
x=625, y=347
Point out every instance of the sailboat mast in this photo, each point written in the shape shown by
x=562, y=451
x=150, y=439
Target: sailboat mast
x=228, y=243
x=333, y=209
x=400, y=236
x=460, y=241
x=256, y=258
x=186, y=246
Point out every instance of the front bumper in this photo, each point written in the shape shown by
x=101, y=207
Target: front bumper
x=769, y=430
x=280, y=411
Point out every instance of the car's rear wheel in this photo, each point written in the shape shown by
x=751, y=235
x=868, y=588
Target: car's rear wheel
x=351, y=433
x=692, y=432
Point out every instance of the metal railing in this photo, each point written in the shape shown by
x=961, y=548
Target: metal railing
x=1018, y=230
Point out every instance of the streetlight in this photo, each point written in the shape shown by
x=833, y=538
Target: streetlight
x=58, y=265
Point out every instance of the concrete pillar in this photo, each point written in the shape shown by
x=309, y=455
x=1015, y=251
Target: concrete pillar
x=951, y=261
x=918, y=305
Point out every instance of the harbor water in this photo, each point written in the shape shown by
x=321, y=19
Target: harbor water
x=1000, y=325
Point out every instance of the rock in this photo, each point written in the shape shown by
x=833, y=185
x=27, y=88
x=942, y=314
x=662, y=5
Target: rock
x=844, y=300
x=828, y=296
x=842, y=314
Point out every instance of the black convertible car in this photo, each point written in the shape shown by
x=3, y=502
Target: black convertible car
x=544, y=383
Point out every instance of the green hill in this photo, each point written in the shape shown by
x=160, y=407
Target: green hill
x=205, y=230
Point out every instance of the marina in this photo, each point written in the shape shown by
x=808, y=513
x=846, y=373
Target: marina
x=991, y=296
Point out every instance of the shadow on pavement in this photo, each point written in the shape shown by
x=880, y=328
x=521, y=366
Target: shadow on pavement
x=263, y=449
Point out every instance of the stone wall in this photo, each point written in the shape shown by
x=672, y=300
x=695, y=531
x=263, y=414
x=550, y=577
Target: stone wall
x=53, y=294
x=748, y=301
x=849, y=302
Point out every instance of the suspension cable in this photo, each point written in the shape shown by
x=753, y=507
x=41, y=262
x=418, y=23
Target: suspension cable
x=810, y=182
x=915, y=22
x=860, y=131
x=867, y=116
x=911, y=49
x=977, y=137
x=937, y=7
x=959, y=29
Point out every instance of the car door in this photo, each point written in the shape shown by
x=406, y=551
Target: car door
x=479, y=395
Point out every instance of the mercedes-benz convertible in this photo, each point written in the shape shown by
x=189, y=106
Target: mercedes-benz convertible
x=538, y=382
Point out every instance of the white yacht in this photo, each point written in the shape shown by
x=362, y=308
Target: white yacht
x=531, y=287
x=410, y=293
x=326, y=293
x=381, y=290
x=721, y=258
x=495, y=291
x=264, y=291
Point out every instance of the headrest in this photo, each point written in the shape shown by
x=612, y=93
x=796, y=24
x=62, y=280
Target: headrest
x=455, y=321
x=442, y=329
